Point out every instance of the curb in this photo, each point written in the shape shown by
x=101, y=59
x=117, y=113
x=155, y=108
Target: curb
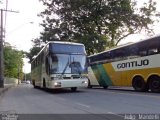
x=2, y=90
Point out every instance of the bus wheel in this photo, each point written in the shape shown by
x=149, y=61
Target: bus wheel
x=89, y=84
x=154, y=84
x=139, y=84
x=74, y=89
x=105, y=87
x=33, y=82
x=44, y=84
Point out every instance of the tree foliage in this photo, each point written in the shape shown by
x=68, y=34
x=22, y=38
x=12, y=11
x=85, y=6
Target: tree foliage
x=27, y=76
x=35, y=49
x=13, y=62
x=96, y=23
x=32, y=53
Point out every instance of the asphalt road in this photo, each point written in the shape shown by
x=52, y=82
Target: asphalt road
x=24, y=99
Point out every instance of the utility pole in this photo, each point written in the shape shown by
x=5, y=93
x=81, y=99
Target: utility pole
x=1, y=48
x=1, y=53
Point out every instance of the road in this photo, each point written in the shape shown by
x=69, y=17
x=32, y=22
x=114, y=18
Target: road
x=24, y=99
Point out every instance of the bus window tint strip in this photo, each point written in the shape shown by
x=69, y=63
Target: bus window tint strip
x=63, y=48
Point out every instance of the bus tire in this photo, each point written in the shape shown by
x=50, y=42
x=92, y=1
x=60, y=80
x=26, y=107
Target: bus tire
x=44, y=84
x=154, y=84
x=105, y=87
x=139, y=84
x=33, y=82
x=89, y=84
x=73, y=89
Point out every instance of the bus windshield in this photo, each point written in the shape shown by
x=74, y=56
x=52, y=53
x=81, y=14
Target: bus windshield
x=68, y=64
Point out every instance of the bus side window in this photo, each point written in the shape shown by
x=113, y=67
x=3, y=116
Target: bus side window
x=47, y=65
x=152, y=51
x=133, y=52
x=107, y=57
x=143, y=53
x=119, y=54
x=153, y=47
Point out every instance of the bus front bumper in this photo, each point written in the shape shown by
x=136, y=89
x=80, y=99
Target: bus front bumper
x=68, y=83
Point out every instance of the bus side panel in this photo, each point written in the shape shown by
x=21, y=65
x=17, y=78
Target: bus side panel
x=36, y=75
x=101, y=75
x=114, y=76
x=98, y=75
x=92, y=77
x=144, y=73
x=130, y=71
x=104, y=75
x=45, y=78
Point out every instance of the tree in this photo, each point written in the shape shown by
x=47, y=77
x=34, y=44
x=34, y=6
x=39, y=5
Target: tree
x=32, y=53
x=96, y=23
x=38, y=45
x=13, y=62
x=27, y=76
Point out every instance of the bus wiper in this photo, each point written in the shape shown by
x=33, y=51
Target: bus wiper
x=65, y=67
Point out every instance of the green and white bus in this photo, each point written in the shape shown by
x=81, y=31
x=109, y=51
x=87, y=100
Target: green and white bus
x=135, y=64
x=60, y=65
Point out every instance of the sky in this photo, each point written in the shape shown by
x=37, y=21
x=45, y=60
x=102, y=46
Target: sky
x=24, y=26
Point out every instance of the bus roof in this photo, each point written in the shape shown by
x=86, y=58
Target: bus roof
x=64, y=42
x=125, y=45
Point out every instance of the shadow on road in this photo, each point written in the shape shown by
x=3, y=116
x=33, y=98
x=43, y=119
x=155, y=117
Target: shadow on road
x=124, y=89
x=60, y=91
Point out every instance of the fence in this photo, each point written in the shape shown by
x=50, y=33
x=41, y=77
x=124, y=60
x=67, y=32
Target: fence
x=12, y=81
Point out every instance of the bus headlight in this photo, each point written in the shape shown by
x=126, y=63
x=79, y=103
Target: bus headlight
x=57, y=84
x=84, y=82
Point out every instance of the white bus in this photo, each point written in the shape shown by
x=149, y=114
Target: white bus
x=60, y=65
x=136, y=65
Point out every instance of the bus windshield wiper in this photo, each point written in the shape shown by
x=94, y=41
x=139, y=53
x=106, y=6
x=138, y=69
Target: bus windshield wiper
x=65, y=68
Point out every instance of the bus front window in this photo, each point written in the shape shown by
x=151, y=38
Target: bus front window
x=68, y=64
x=59, y=63
x=78, y=64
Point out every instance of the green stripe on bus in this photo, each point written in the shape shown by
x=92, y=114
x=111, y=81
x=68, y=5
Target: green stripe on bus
x=104, y=75
x=98, y=75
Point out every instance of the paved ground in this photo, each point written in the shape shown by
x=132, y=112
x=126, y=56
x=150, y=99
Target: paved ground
x=97, y=102
x=6, y=87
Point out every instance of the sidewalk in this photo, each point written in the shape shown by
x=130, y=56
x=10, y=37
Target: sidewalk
x=6, y=87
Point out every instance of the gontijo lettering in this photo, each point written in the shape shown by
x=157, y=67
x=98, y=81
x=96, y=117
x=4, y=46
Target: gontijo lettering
x=133, y=64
